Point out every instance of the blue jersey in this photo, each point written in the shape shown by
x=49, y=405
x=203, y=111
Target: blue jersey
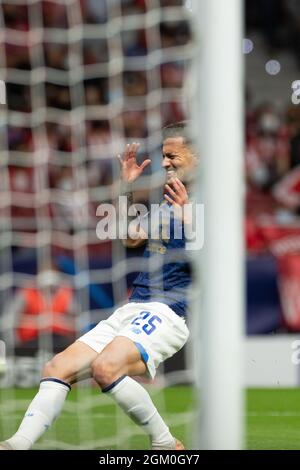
x=168, y=272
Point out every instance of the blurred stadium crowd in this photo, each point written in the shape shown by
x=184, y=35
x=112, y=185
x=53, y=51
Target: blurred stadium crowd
x=272, y=152
x=57, y=57
x=272, y=168
x=279, y=21
x=54, y=165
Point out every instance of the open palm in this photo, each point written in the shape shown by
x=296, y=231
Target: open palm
x=130, y=170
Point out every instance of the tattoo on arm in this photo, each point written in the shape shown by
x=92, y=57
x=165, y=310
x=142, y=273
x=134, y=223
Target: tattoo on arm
x=127, y=200
x=129, y=196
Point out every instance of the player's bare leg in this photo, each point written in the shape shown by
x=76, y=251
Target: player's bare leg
x=112, y=369
x=73, y=364
x=65, y=368
x=118, y=360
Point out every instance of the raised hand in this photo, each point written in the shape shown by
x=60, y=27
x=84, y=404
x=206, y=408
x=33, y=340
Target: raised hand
x=130, y=170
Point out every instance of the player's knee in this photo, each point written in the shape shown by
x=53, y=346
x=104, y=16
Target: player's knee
x=54, y=368
x=104, y=371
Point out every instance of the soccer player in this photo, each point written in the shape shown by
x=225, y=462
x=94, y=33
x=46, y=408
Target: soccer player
x=148, y=329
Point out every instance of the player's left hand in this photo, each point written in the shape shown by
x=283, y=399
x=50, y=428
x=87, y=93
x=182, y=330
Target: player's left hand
x=176, y=193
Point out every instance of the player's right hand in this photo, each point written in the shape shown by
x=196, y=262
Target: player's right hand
x=130, y=170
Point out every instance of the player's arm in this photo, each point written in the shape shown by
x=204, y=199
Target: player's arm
x=130, y=172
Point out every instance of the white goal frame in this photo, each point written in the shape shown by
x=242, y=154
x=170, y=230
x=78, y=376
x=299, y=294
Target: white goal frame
x=218, y=120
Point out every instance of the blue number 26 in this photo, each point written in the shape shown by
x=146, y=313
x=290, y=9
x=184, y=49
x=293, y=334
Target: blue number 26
x=148, y=326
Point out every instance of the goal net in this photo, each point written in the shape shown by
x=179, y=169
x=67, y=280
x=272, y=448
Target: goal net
x=82, y=78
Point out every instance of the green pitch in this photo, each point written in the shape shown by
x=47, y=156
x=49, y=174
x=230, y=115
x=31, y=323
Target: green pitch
x=91, y=421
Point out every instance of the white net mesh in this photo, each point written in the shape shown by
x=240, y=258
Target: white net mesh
x=83, y=77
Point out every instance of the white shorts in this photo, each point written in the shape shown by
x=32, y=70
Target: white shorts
x=155, y=329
